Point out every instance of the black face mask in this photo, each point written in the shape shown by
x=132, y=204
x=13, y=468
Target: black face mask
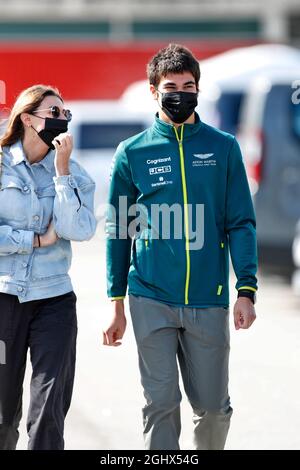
x=179, y=105
x=53, y=127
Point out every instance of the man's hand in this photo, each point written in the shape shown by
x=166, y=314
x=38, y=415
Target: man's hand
x=243, y=313
x=63, y=144
x=117, y=327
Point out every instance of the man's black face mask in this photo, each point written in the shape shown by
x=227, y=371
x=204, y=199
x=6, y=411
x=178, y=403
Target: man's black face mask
x=179, y=105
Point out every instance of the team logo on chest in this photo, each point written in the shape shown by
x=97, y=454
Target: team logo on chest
x=158, y=167
x=204, y=160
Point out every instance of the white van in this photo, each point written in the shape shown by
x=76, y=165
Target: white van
x=270, y=140
x=97, y=128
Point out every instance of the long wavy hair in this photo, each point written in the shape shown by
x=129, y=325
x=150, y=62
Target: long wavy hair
x=27, y=102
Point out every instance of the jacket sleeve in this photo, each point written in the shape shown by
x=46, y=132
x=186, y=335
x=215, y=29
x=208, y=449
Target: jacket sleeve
x=73, y=210
x=240, y=224
x=122, y=193
x=15, y=241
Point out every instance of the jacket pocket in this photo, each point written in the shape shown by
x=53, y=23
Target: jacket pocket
x=15, y=200
x=51, y=261
x=7, y=264
x=47, y=191
x=143, y=259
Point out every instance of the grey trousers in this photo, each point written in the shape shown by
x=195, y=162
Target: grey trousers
x=199, y=339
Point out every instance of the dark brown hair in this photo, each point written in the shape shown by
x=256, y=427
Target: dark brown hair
x=172, y=59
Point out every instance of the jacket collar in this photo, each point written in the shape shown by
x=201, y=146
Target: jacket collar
x=167, y=130
x=18, y=156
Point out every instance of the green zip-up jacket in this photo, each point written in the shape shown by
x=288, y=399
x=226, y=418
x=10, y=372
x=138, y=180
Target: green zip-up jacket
x=195, y=172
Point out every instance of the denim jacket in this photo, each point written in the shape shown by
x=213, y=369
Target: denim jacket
x=30, y=197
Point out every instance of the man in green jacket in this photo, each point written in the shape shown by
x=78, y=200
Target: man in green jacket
x=179, y=203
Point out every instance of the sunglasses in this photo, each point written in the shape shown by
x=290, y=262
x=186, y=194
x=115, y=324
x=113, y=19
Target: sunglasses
x=55, y=111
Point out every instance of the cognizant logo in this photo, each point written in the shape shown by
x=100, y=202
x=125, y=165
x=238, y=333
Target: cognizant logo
x=158, y=160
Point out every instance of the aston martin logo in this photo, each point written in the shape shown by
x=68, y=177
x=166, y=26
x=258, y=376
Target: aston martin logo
x=203, y=156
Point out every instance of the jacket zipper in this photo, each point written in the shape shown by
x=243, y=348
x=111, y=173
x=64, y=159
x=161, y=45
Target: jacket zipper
x=186, y=214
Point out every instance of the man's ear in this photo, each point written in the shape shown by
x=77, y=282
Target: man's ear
x=154, y=92
x=26, y=119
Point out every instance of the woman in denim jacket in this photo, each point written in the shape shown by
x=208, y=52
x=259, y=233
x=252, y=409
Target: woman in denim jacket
x=46, y=200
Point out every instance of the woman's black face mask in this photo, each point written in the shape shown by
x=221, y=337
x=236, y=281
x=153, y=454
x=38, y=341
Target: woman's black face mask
x=53, y=127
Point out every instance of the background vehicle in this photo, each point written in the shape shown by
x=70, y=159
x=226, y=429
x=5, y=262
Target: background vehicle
x=97, y=128
x=270, y=139
x=232, y=72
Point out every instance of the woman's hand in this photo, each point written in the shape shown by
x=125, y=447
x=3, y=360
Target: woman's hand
x=48, y=239
x=63, y=153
